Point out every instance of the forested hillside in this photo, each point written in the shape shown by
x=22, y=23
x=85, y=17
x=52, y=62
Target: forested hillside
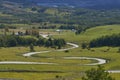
x=94, y=4
x=16, y=12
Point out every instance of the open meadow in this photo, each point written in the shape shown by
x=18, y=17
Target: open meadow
x=63, y=69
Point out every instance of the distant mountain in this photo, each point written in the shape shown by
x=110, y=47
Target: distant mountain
x=19, y=1
x=94, y=4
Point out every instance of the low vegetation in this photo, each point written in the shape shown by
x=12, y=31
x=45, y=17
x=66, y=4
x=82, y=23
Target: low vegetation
x=97, y=74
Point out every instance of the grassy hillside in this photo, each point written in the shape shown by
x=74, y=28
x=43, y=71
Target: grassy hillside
x=90, y=34
x=16, y=16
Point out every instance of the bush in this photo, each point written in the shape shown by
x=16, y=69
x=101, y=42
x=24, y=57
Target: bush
x=66, y=51
x=84, y=45
x=32, y=48
x=97, y=74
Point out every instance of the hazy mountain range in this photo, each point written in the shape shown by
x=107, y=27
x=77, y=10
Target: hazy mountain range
x=95, y=4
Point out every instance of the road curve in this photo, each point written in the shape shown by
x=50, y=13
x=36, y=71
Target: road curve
x=22, y=62
x=113, y=71
x=33, y=53
x=100, y=61
x=46, y=36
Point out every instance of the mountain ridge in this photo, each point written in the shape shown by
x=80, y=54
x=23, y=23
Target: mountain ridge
x=93, y=4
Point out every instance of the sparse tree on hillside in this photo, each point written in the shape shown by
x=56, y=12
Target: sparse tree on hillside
x=32, y=48
x=84, y=45
x=34, y=9
x=119, y=50
x=6, y=29
x=13, y=33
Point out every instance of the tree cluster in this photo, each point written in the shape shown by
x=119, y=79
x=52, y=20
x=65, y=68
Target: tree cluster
x=34, y=32
x=47, y=27
x=12, y=41
x=55, y=43
x=67, y=27
x=112, y=40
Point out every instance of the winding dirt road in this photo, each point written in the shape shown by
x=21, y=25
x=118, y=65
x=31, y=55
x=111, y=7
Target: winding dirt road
x=100, y=61
x=21, y=62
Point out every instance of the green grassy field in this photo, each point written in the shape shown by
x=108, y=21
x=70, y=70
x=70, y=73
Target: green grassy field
x=67, y=69
x=90, y=33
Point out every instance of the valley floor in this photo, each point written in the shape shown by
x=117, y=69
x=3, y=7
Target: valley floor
x=71, y=68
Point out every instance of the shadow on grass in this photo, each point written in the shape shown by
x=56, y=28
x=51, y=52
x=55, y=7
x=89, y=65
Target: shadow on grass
x=31, y=71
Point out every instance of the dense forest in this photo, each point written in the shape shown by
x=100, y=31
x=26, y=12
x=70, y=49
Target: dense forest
x=112, y=40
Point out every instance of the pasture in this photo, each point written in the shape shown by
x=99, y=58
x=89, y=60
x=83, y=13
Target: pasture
x=71, y=69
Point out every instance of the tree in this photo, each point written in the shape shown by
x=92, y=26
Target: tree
x=47, y=44
x=27, y=32
x=59, y=43
x=118, y=50
x=6, y=29
x=34, y=9
x=11, y=42
x=32, y=48
x=97, y=74
x=13, y=33
x=2, y=42
x=84, y=45
x=41, y=41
